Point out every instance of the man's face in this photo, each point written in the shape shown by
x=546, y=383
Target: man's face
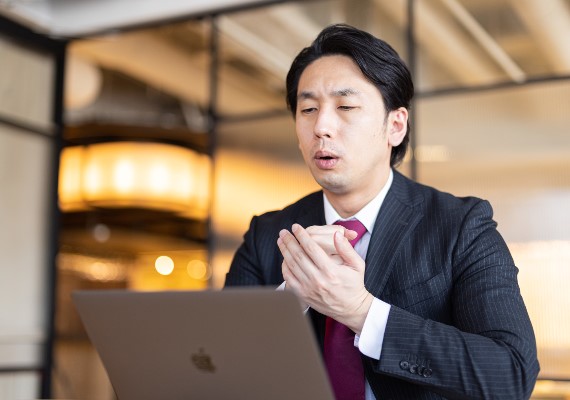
x=344, y=133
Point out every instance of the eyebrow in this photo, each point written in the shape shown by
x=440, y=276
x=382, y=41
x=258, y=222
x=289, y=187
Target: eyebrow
x=345, y=92
x=335, y=93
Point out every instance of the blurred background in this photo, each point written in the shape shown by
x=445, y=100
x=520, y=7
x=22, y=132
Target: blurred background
x=138, y=138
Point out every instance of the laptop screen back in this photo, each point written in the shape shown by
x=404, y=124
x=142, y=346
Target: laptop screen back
x=231, y=344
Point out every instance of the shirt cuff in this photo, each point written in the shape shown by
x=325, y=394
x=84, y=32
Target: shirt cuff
x=372, y=336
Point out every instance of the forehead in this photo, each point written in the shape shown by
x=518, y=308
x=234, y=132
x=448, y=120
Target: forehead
x=334, y=75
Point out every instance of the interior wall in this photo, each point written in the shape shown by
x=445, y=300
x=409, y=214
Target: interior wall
x=25, y=166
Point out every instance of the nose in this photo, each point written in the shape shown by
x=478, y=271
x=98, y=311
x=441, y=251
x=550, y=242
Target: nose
x=325, y=124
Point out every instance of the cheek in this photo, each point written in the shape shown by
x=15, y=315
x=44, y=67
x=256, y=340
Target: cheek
x=378, y=131
x=302, y=143
x=304, y=134
x=301, y=148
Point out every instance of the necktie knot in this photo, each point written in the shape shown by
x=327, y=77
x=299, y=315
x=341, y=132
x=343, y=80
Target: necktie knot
x=353, y=225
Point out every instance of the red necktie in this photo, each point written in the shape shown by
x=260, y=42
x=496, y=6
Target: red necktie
x=342, y=358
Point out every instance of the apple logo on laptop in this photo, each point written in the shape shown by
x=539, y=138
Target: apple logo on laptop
x=203, y=361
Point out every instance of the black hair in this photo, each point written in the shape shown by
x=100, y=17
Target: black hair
x=377, y=60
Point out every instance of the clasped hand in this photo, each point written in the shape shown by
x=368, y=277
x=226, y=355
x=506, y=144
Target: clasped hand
x=323, y=269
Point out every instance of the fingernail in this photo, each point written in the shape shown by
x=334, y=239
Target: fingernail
x=295, y=227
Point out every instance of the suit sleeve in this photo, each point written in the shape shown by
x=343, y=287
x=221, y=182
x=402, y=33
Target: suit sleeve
x=257, y=262
x=488, y=349
x=244, y=269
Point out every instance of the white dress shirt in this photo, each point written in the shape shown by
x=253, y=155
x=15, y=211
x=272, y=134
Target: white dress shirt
x=370, y=340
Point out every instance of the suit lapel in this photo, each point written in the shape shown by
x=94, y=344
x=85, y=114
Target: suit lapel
x=315, y=213
x=396, y=219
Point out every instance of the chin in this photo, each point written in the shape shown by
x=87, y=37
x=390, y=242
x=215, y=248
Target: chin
x=330, y=181
x=333, y=186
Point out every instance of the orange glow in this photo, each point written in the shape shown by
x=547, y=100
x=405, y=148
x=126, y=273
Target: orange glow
x=164, y=265
x=124, y=174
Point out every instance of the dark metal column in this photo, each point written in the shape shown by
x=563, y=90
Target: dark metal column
x=55, y=216
x=411, y=42
x=212, y=126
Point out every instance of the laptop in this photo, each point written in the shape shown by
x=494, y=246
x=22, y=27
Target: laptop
x=245, y=343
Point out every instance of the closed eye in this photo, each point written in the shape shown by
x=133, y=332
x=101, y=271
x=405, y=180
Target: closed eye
x=308, y=110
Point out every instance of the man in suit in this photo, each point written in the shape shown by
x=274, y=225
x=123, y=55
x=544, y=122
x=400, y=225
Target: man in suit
x=427, y=299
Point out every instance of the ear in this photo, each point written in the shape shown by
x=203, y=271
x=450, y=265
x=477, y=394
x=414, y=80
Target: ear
x=397, y=126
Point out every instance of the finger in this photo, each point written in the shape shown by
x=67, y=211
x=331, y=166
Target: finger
x=295, y=279
x=288, y=273
x=324, y=229
x=288, y=276
x=294, y=264
x=347, y=252
x=325, y=242
x=323, y=235
x=350, y=234
x=291, y=250
x=293, y=285
x=311, y=249
x=328, y=230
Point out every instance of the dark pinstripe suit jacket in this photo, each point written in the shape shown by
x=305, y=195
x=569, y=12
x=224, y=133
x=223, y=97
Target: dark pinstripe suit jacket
x=458, y=327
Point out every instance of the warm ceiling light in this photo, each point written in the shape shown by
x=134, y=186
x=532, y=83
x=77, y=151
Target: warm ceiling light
x=141, y=175
x=164, y=265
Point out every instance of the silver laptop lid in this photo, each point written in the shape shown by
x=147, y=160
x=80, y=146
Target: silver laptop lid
x=252, y=343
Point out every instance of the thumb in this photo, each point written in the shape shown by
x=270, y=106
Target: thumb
x=346, y=251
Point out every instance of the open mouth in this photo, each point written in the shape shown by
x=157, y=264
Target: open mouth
x=325, y=160
x=324, y=155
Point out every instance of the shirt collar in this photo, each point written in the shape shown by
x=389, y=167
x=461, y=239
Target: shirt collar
x=367, y=215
